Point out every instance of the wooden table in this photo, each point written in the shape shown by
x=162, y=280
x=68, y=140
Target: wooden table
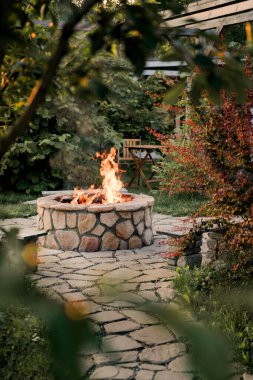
x=140, y=161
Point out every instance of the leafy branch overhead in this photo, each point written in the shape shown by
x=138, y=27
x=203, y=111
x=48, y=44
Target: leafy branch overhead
x=133, y=29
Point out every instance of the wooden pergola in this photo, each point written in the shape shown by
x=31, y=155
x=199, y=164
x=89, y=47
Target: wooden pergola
x=201, y=16
x=210, y=14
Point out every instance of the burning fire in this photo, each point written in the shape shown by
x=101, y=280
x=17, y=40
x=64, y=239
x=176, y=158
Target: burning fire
x=110, y=172
x=111, y=185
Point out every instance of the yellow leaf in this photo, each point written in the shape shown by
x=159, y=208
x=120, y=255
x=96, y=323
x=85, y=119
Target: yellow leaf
x=114, y=50
x=134, y=33
x=84, y=82
x=76, y=310
x=248, y=29
x=19, y=104
x=34, y=92
x=29, y=254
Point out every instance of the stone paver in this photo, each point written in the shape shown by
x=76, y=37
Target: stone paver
x=152, y=367
x=112, y=343
x=111, y=372
x=124, y=274
x=153, y=335
x=120, y=327
x=168, y=375
x=181, y=364
x=115, y=285
x=144, y=375
x=166, y=293
x=149, y=295
x=85, y=364
x=140, y=317
x=163, y=353
x=108, y=316
x=73, y=297
x=127, y=358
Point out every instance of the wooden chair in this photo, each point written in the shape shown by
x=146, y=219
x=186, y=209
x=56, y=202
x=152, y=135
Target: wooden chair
x=124, y=157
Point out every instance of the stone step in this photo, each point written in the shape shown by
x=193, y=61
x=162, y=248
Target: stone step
x=26, y=234
x=30, y=234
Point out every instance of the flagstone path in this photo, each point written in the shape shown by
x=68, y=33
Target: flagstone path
x=115, y=286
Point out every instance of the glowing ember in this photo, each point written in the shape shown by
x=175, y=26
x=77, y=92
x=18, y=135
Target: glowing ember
x=111, y=184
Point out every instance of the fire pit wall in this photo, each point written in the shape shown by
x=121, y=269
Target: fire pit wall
x=96, y=227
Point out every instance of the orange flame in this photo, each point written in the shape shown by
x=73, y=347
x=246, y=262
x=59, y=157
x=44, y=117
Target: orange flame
x=79, y=197
x=111, y=185
x=110, y=172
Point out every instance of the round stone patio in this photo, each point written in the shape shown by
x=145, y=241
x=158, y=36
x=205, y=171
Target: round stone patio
x=134, y=344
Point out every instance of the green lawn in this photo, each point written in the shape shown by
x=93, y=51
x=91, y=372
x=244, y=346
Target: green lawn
x=181, y=204
x=11, y=205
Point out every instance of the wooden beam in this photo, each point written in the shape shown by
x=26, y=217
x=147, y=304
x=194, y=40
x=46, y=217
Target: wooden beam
x=208, y=4
x=198, y=6
x=210, y=14
x=229, y=20
x=217, y=31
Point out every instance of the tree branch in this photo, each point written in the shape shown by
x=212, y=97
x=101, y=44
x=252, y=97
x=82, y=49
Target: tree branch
x=40, y=90
x=180, y=48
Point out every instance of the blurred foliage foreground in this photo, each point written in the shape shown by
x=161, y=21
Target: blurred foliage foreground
x=50, y=349
x=223, y=300
x=30, y=348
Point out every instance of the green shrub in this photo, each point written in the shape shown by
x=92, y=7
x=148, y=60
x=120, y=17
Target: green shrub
x=207, y=293
x=132, y=107
x=24, y=348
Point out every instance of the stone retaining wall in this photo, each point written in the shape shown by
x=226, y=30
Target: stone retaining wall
x=203, y=251
x=96, y=227
x=211, y=243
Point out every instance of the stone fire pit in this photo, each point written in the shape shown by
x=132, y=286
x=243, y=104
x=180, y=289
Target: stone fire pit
x=96, y=227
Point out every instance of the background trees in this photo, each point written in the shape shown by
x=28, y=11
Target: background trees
x=72, y=70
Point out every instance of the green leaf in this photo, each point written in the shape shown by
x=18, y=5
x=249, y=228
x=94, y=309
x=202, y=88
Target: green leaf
x=204, y=61
x=172, y=95
x=136, y=52
x=97, y=40
x=99, y=88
